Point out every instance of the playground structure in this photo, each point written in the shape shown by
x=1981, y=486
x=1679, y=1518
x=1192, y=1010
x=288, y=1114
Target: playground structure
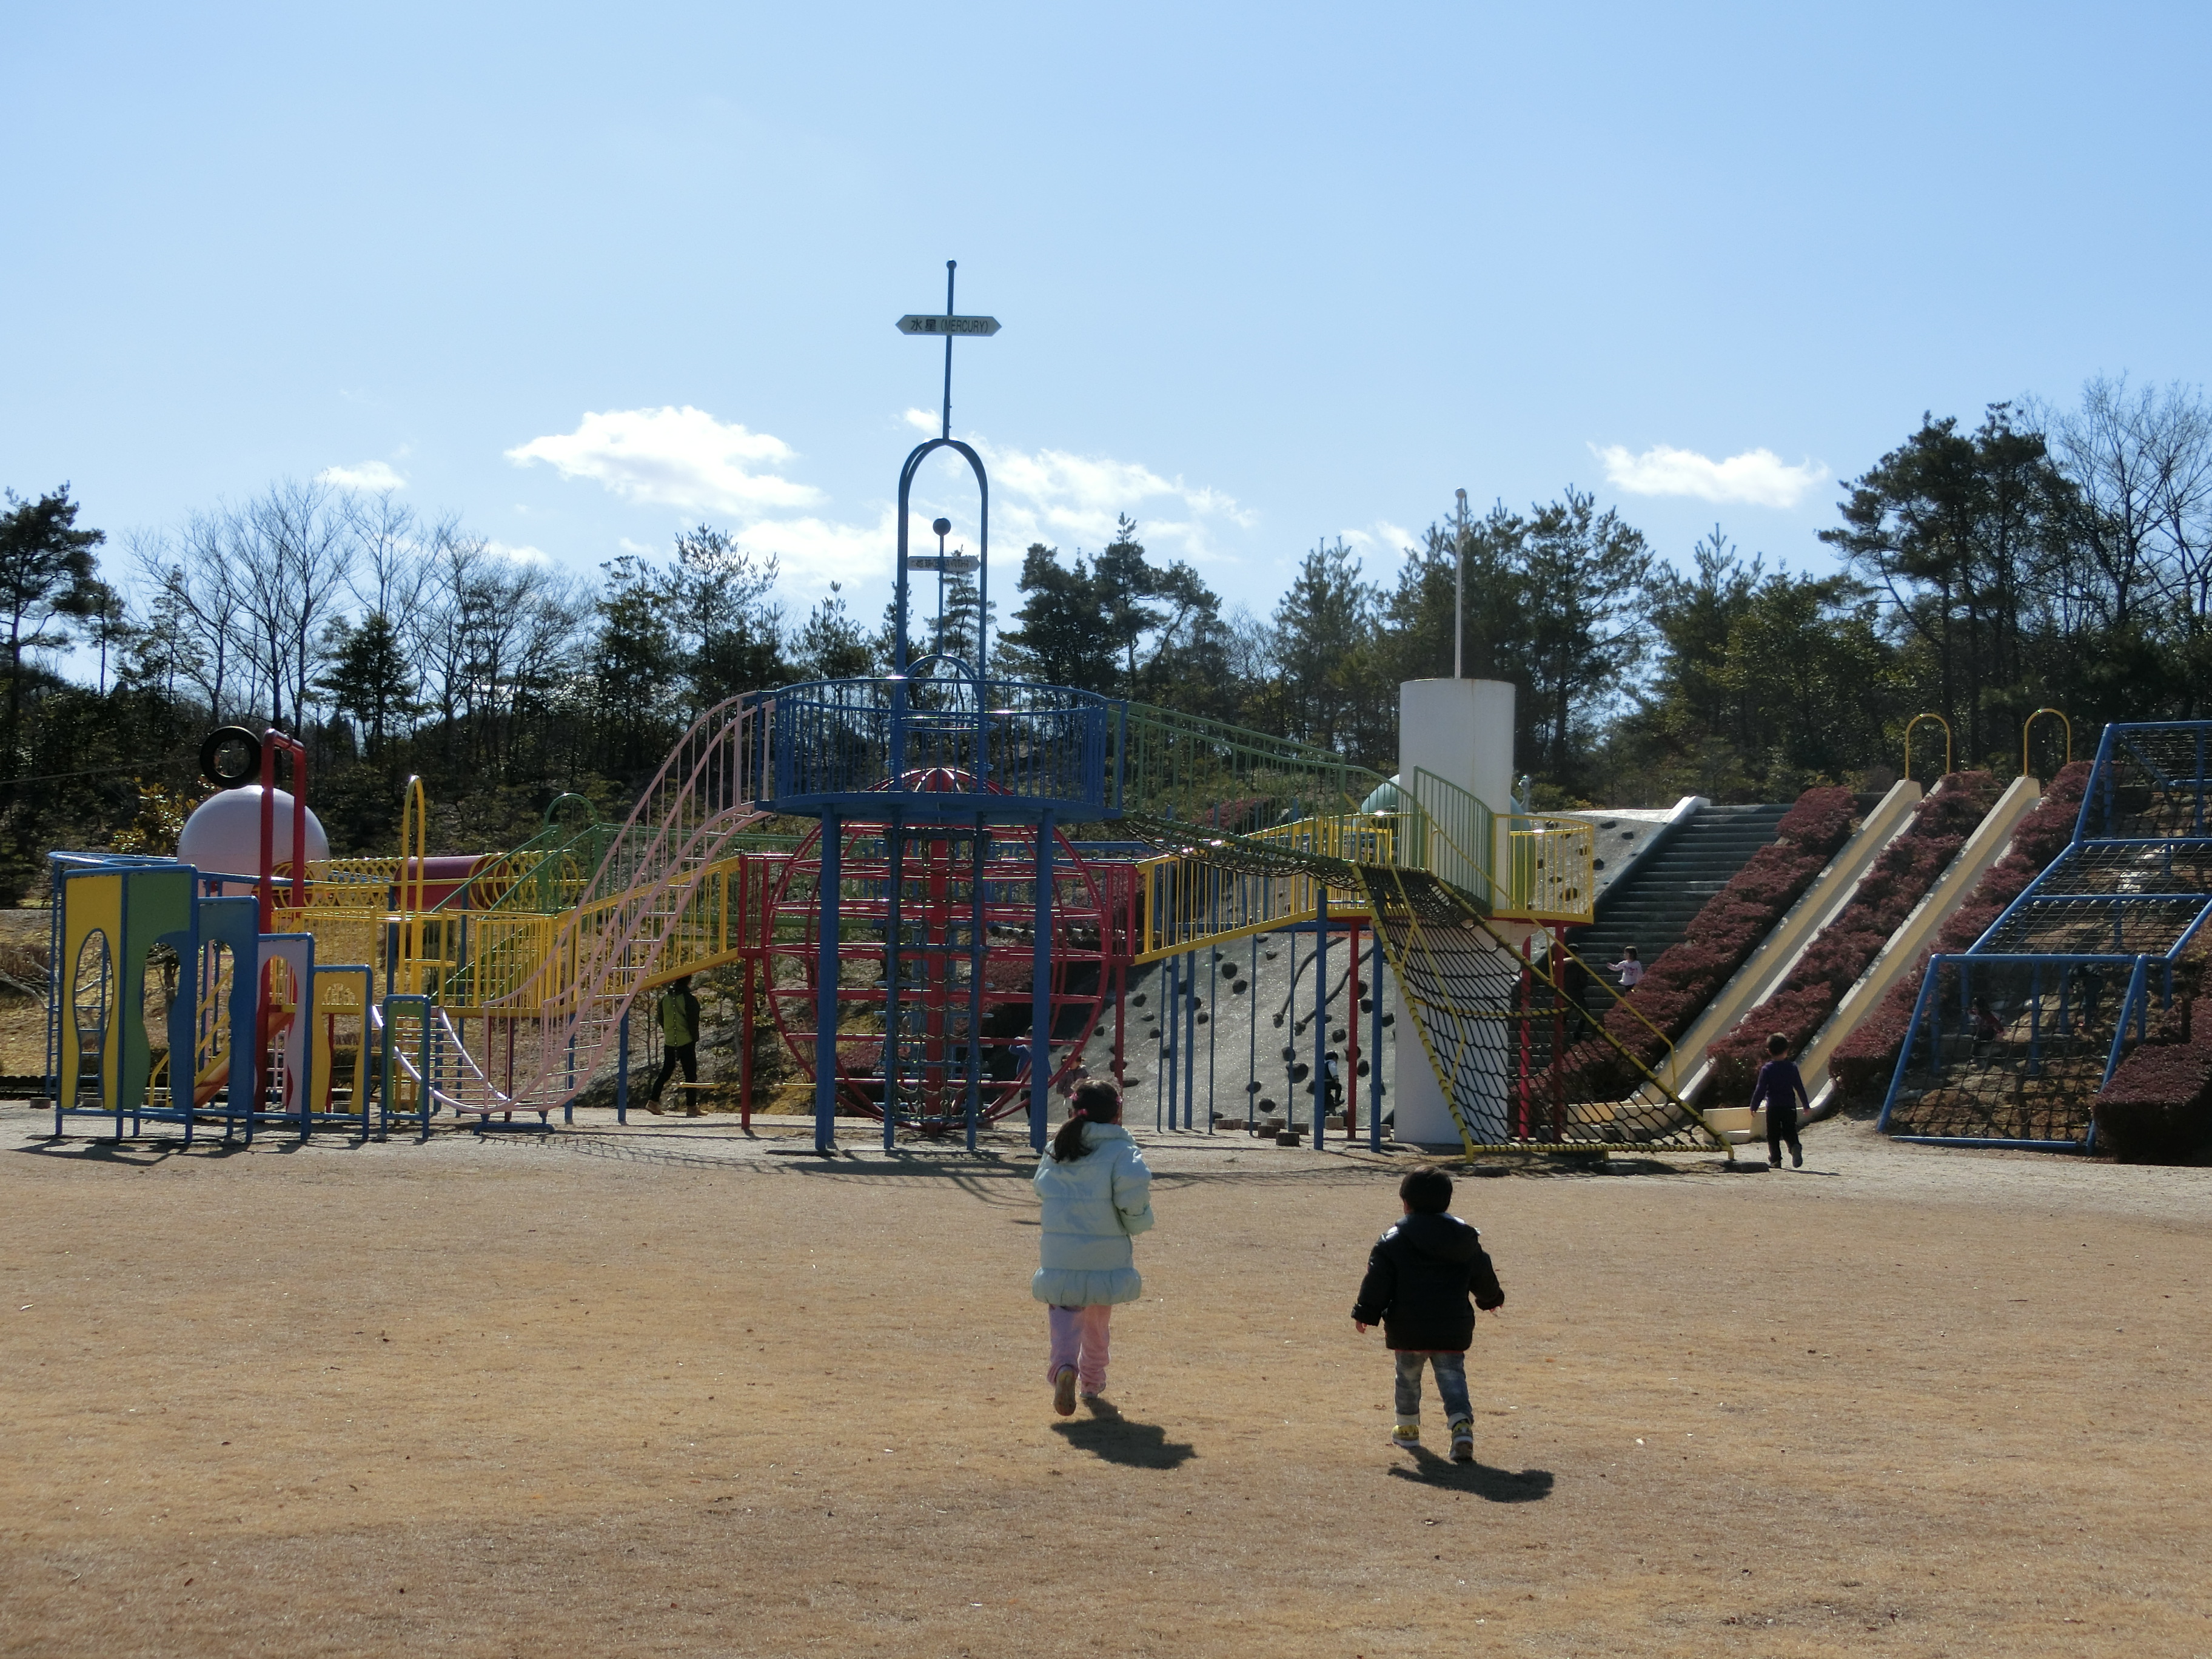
x=935, y=952
x=2072, y=969
x=386, y=992
x=943, y=908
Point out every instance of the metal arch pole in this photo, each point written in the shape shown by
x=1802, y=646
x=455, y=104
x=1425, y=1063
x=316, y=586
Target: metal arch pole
x=825, y=995
x=1321, y=1010
x=913, y=461
x=1041, y=988
x=621, y=1069
x=895, y=875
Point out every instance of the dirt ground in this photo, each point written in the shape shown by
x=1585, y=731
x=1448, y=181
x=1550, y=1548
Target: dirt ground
x=669, y=1390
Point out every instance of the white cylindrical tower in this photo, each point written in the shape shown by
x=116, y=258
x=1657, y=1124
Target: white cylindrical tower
x=1462, y=731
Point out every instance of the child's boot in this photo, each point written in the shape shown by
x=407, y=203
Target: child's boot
x=1463, y=1433
x=1063, y=1391
x=1407, y=1433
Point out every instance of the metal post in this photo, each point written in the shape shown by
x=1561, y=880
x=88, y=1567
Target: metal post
x=946, y=432
x=975, y=986
x=1212, y=1036
x=1171, y=1045
x=2035, y=1021
x=1459, y=572
x=1291, y=1037
x=1041, y=990
x=825, y=995
x=1190, y=1040
x=1252, y=1030
x=894, y=872
x=1375, y=1032
x=1352, y=1036
x=621, y=1069
x=1321, y=1010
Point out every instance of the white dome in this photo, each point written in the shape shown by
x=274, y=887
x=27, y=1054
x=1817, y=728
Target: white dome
x=224, y=835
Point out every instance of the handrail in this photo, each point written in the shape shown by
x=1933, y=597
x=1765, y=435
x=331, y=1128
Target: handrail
x=1914, y=721
x=2027, y=728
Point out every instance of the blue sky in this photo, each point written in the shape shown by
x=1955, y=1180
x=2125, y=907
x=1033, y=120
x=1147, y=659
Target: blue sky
x=1268, y=274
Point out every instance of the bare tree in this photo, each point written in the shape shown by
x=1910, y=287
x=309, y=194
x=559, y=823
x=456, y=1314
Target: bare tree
x=196, y=593
x=389, y=543
x=2141, y=459
x=299, y=535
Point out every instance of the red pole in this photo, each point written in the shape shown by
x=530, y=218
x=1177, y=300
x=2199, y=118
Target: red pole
x=298, y=824
x=1521, y=1117
x=269, y=740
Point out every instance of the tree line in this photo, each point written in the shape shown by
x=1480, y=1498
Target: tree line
x=2042, y=557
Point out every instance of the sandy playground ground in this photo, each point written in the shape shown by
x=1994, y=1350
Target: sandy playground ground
x=671, y=1390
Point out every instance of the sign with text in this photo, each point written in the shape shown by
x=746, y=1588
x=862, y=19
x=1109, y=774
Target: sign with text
x=983, y=327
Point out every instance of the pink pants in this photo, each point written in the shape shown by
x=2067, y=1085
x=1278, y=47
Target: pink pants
x=1078, y=1339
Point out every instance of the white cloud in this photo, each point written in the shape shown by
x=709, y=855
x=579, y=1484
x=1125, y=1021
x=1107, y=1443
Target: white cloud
x=1070, y=501
x=1380, y=545
x=369, y=475
x=813, y=552
x=1759, y=476
x=686, y=458
x=682, y=458
x=1056, y=496
x=525, y=554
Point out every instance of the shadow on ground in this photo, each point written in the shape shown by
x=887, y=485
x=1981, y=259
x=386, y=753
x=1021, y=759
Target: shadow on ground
x=1495, y=1485
x=1109, y=1435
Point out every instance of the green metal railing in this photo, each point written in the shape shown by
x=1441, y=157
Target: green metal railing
x=1180, y=765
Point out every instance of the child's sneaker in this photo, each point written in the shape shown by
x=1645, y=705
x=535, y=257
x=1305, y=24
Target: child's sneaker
x=1063, y=1391
x=1463, y=1441
x=1406, y=1434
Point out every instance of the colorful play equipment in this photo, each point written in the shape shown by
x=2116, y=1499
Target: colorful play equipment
x=2069, y=973
x=935, y=947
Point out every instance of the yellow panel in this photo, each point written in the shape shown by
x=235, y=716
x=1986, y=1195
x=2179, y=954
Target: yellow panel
x=91, y=904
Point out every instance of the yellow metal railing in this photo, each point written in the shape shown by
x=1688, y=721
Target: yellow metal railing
x=1554, y=870
x=1189, y=899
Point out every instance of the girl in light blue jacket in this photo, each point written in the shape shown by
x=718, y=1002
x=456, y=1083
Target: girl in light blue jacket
x=1098, y=1195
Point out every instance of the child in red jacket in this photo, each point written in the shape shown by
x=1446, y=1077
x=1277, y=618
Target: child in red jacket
x=1419, y=1276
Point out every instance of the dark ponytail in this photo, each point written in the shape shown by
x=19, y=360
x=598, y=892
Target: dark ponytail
x=1094, y=1103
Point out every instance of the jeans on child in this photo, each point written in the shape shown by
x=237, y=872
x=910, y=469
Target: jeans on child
x=1078, y=1339
x=1451, y=1383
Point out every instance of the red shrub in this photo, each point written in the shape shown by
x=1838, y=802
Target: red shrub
x=2158, y=1106
x=1908, y=868
x=1865, y=1059
x=1727, y=929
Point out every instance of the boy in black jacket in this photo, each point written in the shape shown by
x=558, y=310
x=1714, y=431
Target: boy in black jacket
x=1418, y=1277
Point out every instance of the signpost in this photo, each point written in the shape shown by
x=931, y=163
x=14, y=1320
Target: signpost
x=949, y=327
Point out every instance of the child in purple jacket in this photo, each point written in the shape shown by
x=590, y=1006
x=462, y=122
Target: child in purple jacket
x=1780, y=1088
